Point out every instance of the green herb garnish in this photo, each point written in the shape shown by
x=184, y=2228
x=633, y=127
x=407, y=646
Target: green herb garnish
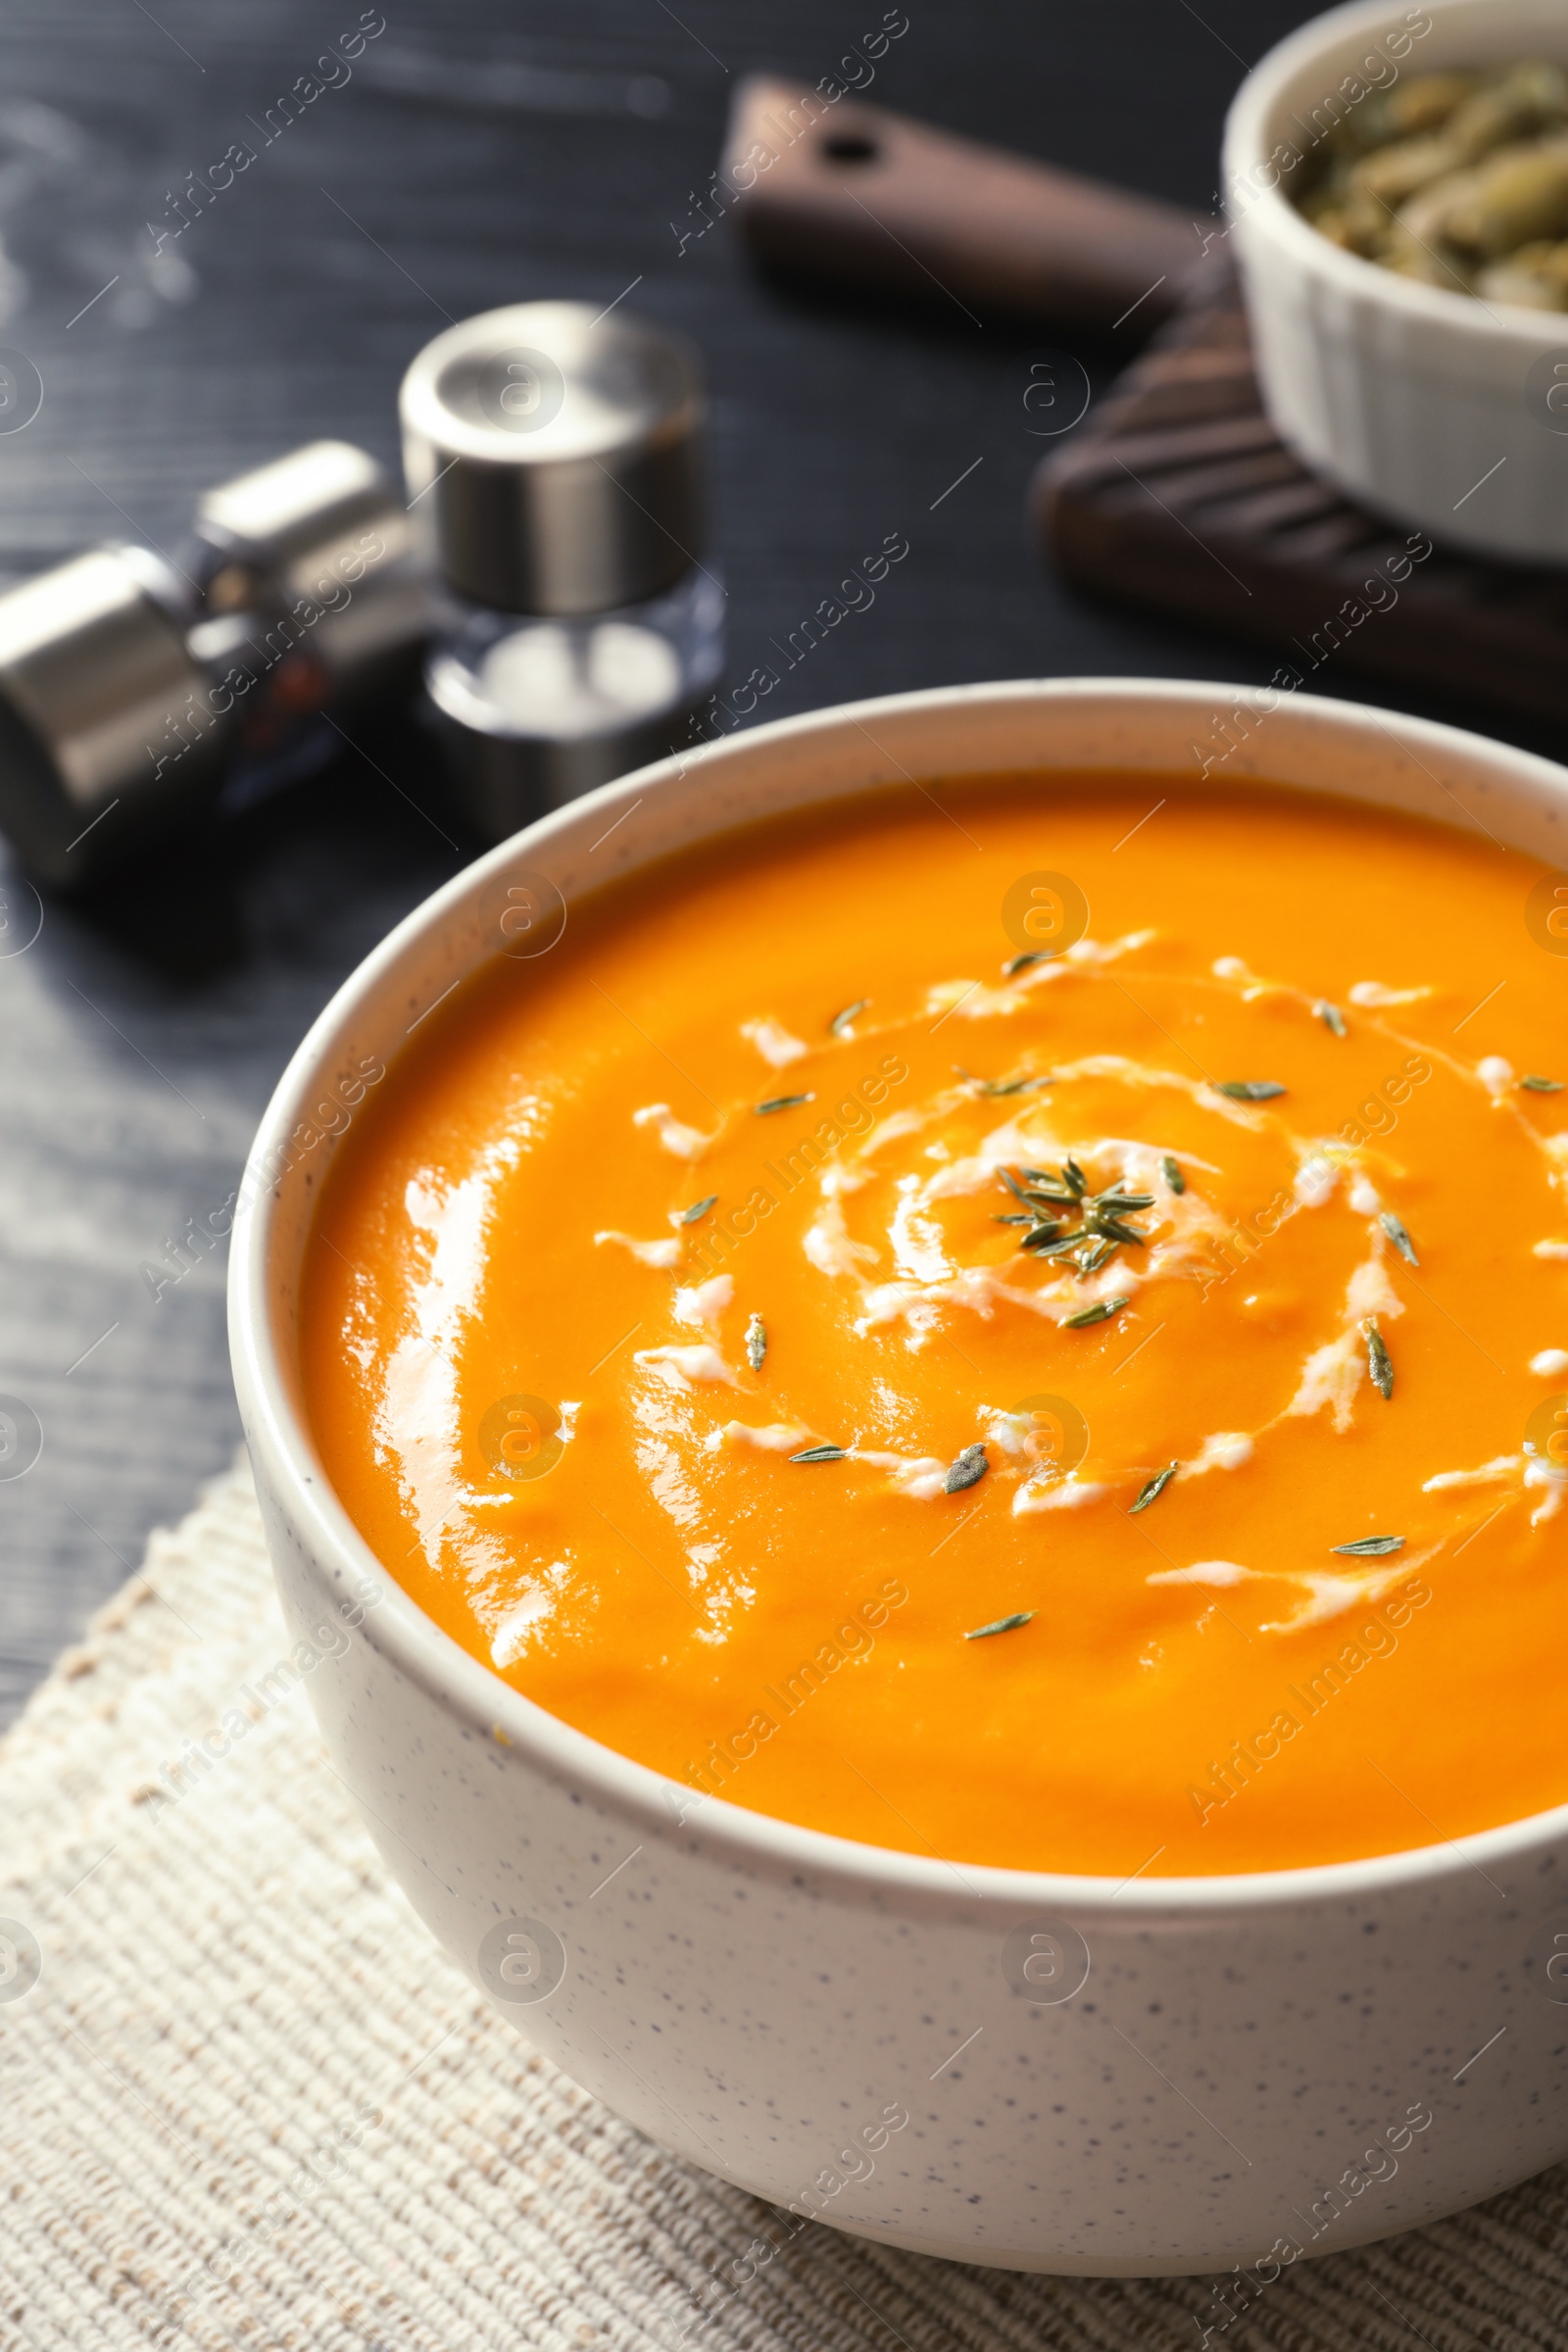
x=1051, y=1245
x=1098, y=1313
x=1250, y=1090
x=967, y=1471
x=1012, y=1216
x=1003, y=1625
x=1114, y=1229
x=840, y=1020
x=1103, y=1227
x=1541, y=1086
x=756, y=1342
x=997, y=1086
x=1370, y=1548
x=1021, y=964
x=1379, y=1363
x=821, y=1453
x=1398, y=1234
x=1331, y=1017
x=781, y=1103
x=1155, y=1486
x=1171, y=1171
x=697, y=1208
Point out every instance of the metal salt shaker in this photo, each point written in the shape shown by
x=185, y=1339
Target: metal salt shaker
x=553, y=469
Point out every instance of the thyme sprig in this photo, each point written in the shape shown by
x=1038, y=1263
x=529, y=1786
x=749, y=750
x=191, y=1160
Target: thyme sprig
x=821, y=1453
x=1104, y=1219
x=780, y=1102
x=1002, y=1624
x=697, y=1208
x=1370, y=1548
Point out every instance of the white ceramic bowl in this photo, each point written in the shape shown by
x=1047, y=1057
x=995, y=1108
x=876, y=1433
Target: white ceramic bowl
x=1426, y=405
x=1157, y=2076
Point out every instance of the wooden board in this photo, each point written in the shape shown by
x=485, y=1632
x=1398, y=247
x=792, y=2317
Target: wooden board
x=826, y=187
x=1178, y=494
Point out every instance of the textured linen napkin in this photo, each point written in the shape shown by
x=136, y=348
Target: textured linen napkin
x=245, y=2100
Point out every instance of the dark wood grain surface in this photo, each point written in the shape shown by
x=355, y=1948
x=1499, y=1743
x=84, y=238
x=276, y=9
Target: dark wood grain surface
x=480, y=153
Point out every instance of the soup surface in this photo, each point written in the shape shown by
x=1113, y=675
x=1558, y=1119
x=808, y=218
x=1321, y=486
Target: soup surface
x=1025, y=1322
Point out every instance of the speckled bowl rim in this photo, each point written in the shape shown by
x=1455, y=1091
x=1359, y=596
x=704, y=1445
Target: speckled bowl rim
x=1250, y=135
x=833, y=1866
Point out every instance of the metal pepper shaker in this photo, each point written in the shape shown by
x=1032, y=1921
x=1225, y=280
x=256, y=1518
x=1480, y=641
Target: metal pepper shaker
x=134, y=691
x=553, y=458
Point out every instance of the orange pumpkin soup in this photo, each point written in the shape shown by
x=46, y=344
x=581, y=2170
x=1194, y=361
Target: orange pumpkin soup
x=1026, y=1323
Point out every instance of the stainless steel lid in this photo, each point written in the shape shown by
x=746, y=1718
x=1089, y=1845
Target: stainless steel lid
x=281, y=524
x=552, y=457
x=101, y=703
x=318, y=549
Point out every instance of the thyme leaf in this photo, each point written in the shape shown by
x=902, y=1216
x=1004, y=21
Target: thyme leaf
x=1379, y=1363
x=1074, y=1178
x=967, y=1471
x=821, y=1453
x=1117, y=1201
x=756, y=1342
x=1540, y=1086
x=1152, y=1491
x=1170, y=1169
x=1003, y=1625
x=1021, y=964
x=697, y=1208
x=1400, y=1239
x=780, y=1102
x=1051, y=1244
x=1370, y=1548
x=1250, y=1090
x=840, y=1020
x=1331, y=1017
x=1114, y=1229
x=1099, y=1312
x=1012, y=1216
x=998, y=1086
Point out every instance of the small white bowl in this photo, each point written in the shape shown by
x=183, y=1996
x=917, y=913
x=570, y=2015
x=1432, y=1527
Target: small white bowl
x=1428, y=406
x=1027, y=2069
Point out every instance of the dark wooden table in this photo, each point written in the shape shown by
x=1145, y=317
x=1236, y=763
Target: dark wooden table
x=479, y=154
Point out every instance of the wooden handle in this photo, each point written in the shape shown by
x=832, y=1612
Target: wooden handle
x=851, y=192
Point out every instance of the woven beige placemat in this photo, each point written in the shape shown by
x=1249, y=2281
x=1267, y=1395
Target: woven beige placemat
x=244, y=2100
